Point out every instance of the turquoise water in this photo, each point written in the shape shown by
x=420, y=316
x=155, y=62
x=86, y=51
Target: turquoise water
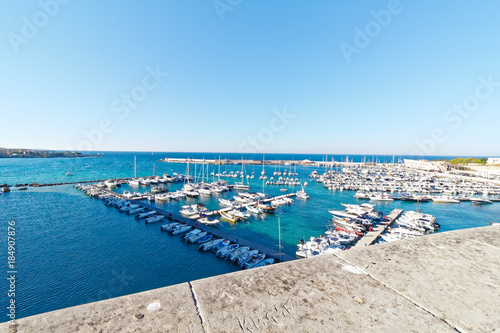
x=121, y=165
x=72, y=249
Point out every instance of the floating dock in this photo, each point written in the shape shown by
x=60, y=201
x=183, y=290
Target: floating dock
x=372, y=235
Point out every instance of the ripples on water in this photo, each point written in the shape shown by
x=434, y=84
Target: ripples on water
x=72, y=249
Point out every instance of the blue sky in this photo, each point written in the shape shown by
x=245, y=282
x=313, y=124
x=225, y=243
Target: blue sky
x=251, y=76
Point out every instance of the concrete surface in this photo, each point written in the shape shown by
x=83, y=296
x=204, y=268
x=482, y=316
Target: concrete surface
x=177, y=313
x=445, y=282
x=453, y=275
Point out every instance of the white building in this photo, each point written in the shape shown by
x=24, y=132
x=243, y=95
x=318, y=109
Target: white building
x=421, y=165
x=493, y=160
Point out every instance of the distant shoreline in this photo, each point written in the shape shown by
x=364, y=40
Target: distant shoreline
x=50, y=156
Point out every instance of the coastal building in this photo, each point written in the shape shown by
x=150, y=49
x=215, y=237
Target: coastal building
x=422, y=165
x=493, y=160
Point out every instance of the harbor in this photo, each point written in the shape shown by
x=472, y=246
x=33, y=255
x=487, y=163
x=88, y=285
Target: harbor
x=160, y=186
x=175, y=217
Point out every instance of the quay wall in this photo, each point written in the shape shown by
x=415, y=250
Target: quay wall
x=445, y=282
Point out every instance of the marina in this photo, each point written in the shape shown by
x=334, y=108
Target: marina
x=192, y=222
x=161, y=187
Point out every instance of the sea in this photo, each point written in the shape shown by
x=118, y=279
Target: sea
x=71, y=249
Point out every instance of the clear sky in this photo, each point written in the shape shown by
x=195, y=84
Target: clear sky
x=323, y=76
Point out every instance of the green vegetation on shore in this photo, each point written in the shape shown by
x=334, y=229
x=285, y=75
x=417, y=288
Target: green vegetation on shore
x=466, y=161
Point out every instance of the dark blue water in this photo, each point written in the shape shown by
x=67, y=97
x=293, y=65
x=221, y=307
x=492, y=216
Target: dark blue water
x=72, y=249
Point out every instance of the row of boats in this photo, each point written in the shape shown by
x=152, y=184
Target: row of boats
x=397, y=179
x=348, y=225
x=410, y=224
x=352, y=223
x=223, y=248
x=123, y=205
x=377, y=196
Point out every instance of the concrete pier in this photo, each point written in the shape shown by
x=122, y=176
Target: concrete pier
x=445, y=282
x=371, y=236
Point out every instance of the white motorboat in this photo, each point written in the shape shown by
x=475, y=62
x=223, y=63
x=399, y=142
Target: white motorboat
x=196, y=237
x=129, y=207
x=213, y=243
x=170, y=226
x=136, y=211
x=163, y=197
x=191, y=233
x=445, y=199
x=381, y=197
x=188, y=211
x=111, y=183
x=480, y=201
x=145, y=214
x=303, y=195
x=127, y=194
x=362, y=195
x=206, y=220
x=254, y=261
x=206, y=238
x=222, y=252
x=134, y=182
x=155, y=218
x=227, y=202
x=243, y=258
x=264, y=262
x=234, y=255
x=180, y=229
x=255, y=209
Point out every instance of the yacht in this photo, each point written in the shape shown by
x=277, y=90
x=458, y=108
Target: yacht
x=303, y=195
x=381, y=197
x=480, y=201
x=445, y=199
x=362, y=195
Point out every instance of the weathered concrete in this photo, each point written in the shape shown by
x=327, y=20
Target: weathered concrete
x=445, y=282
x=177, y=313
x=321, y=294
x=454, y=275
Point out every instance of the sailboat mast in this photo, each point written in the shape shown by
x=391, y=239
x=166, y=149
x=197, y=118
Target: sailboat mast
x=279, y=235
x=203, y=171
x=135, y=166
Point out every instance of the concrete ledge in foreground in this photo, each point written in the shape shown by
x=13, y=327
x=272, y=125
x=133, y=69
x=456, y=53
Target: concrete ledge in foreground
x=446, y=282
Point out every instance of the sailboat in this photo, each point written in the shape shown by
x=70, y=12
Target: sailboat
x=263, y=172
x=241, y=185
x=135, y=181
x=69, y=173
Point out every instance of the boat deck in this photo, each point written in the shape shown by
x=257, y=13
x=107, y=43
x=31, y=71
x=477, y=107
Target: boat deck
x=370, y=237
